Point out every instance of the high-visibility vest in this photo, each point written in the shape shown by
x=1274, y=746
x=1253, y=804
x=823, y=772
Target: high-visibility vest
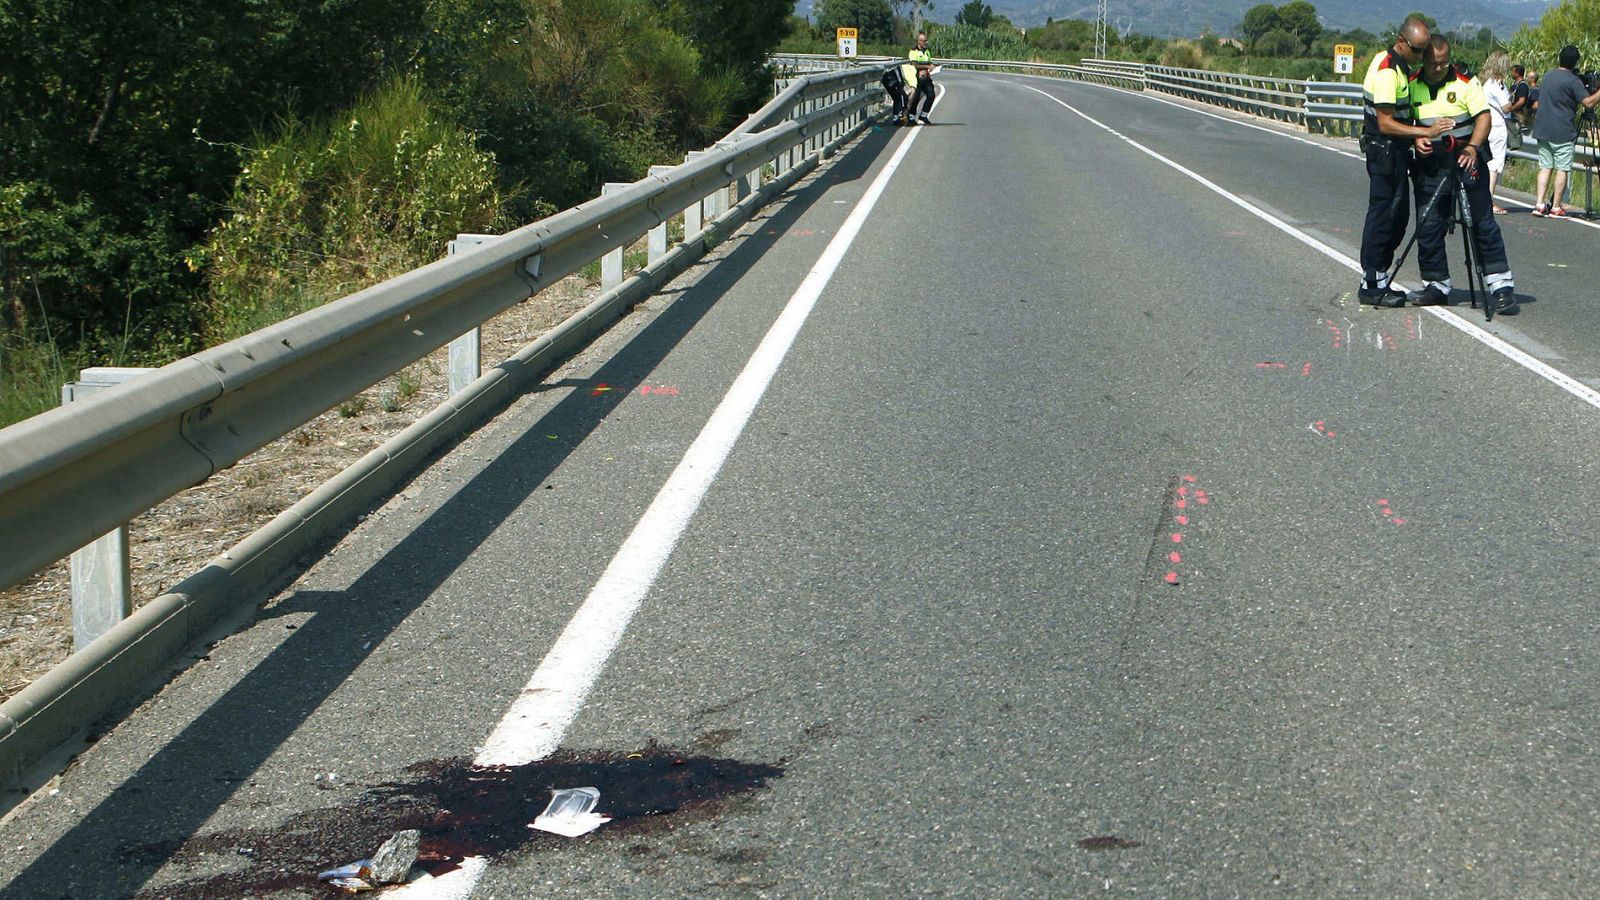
x=1386, y=84
x=918, y=58
x=1459, y=99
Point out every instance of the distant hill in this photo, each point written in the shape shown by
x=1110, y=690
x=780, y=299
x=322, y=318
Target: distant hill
x=1187, y=18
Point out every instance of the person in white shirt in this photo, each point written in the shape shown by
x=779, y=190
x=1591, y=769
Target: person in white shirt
x=1493, y=77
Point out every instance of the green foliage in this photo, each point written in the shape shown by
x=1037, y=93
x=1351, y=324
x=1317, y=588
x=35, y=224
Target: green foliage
x=975, y=13
x=873, y=18
x=1278, y=42
x=1258, y=20
x=1299, y=18
x=327, y=209
x=1574, y=22
x=1182, y=55
x=972, y=42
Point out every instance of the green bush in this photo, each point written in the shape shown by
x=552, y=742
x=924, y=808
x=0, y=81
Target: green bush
x=971, y=42
x=327, y=209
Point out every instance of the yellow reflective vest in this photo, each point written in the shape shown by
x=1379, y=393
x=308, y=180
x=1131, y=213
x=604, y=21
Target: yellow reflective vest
x=918, y=58
x=1460, y=99
x=1386, y=84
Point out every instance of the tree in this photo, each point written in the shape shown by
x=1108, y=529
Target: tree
x=1278, y=42
x=1299, y=18
x=733, y=36
x=977, y=13
x=873, y=18
x=1258, y=20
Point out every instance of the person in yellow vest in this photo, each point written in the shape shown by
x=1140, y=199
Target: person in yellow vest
x=1442, y=94
x=908, y=74
x=1386, y=135
x=922, y=60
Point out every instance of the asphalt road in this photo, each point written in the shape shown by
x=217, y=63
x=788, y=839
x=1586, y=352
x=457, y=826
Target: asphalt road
x=1089, y=538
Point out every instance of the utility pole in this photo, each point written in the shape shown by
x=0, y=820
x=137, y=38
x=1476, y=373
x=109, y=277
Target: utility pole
x=1100, y=32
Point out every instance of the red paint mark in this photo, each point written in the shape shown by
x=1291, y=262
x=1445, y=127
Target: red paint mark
x=1337, y=333
x=1177, y=538
x=1321, y=427
x=1272, y=365
x=1175, y=557
x=1189, y=478
x=660, y=390
x=806, y=232
x=1183, y=504
x=1203, y=500
x=1183, y=520
x=1183, y=492
x=1389, y=343
x=1305, y=370
x=1412, y=333
x=1172, y=578
x=1236, y=233
x=600, y=389
x=1388, y=512
x=1339, y=229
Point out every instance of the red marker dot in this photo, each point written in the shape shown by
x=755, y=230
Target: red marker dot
x=1399, y=521
x=1305, y=370
x=1175, y=557
x=1183, y=504
x=1382, y=502
x=1177, y=538
x=1183, y=492
x=1183, y=520
x=1203, y=500
x=1172, y=578
x=1189, y=478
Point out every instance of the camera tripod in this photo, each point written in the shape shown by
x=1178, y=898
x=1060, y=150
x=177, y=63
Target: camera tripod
x=1455, y=181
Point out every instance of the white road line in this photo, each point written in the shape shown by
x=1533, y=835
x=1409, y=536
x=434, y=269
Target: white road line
x=1273, y=131
x=1554, y=376
x=538, y=719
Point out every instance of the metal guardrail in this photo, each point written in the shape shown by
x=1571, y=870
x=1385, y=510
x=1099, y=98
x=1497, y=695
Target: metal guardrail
x=1327, y=107
x=74, y=473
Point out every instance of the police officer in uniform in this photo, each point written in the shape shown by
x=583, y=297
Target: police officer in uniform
x=1386, y=135
x=1440, y=93
x=922, y=60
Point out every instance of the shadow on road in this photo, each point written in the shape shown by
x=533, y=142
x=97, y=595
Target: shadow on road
x=177, y=790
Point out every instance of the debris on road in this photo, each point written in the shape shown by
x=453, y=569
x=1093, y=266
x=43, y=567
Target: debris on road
x=392, y=862
x=571, y=812
x=390, y=865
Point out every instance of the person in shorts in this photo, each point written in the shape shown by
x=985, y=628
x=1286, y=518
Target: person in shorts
x=1556, y=130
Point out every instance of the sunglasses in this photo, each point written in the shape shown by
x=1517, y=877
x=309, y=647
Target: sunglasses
x=1415, y=48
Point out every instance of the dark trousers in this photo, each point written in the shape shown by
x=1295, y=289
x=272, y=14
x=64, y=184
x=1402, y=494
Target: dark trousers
x=1431, y=258
x=924, y=95
x=1388, y=211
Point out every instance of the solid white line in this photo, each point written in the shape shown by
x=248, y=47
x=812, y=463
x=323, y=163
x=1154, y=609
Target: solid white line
x=532, y=728
x=1560, y=379
x=1283, y=134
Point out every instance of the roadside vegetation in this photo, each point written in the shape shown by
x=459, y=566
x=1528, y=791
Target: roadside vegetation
x=191, y=173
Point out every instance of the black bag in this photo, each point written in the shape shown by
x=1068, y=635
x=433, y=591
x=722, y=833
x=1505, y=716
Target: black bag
x=1513, y=134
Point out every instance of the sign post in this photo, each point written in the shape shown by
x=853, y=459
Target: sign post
x=847, y=43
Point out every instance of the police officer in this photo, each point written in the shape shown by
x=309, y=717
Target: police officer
x=922, y=60
x=1386, y=135
x=1440, y=93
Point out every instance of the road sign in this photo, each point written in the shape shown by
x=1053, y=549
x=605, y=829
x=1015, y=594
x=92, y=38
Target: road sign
x=847, y=43
x=1344, y=58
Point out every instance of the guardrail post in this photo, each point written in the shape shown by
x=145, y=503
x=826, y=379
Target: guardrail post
x=656, y=239
x=466, y=351
x=611, y=263
x=694, y=213
x=102, y=580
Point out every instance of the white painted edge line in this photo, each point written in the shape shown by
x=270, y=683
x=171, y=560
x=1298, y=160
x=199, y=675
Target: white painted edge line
x=1560, y=379
x=1283, y=134
x=533, y=726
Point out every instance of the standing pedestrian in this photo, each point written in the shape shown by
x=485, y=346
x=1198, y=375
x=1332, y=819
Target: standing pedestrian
x=922, y=60
x=1444, y=95
x=1492, y=76
x=1519, y=105
x=1556, y=130
x=1386, y=135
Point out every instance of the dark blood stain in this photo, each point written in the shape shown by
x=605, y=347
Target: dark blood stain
x=462, y=810
x=1107, y=842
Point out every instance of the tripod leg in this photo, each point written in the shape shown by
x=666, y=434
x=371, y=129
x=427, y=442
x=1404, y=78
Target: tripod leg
x=1422, y=216
x=1477, y=281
